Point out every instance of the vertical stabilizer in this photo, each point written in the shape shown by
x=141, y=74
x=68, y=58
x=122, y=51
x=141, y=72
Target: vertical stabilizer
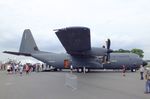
x=28, y=44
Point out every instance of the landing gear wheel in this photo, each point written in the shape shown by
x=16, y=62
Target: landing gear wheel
x=133, y=70
x=79, y=70
x=87, y=70
x=55, y=69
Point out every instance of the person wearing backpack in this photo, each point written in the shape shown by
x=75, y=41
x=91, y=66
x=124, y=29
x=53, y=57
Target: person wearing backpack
x=147, y=77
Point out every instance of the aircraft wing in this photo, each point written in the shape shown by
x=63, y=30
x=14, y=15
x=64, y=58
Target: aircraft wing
x=75, y=39
x=17, y=53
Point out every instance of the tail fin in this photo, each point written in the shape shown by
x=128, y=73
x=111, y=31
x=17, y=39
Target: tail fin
x=28, y=44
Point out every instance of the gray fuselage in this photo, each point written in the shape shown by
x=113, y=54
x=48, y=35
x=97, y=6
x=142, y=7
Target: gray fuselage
x=130, y=60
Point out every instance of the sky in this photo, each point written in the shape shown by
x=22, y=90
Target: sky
x=125, y=22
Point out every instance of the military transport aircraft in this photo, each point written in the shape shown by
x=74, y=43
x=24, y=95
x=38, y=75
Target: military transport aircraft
x=80, y=55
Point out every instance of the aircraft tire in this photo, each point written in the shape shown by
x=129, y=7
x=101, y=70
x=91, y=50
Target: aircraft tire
x=133, y=70
x=79, y=70
x=59, y=69
x=56, y=69
x=87, y=70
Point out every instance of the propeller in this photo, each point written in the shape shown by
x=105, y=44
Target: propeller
x=108, y=43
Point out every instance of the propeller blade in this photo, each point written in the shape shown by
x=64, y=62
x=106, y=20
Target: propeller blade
x=108, y=43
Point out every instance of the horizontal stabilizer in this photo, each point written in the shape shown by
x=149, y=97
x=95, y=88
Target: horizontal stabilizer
x=17, y=53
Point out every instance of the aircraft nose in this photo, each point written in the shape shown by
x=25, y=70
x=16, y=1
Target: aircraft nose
x=144, y=63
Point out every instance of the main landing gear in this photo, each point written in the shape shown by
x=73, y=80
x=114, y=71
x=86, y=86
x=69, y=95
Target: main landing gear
x=83, y=69
x=133, y=70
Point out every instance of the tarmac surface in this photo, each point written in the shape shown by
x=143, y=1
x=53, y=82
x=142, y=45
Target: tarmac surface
x=52, y=85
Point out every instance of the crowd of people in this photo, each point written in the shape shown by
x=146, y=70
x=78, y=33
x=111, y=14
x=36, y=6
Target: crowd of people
x=14, y=68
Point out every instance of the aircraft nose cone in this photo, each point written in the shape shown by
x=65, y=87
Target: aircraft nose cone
x=144, y=63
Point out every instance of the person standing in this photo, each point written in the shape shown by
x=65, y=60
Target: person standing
x=21, y=69
x=147, y=77
x=123, y=69
x=16, y=68
x=8, y=68
x=141, y=71
x=27, y=68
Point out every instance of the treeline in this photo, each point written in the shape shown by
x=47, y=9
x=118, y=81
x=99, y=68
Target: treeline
x=137, y=51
